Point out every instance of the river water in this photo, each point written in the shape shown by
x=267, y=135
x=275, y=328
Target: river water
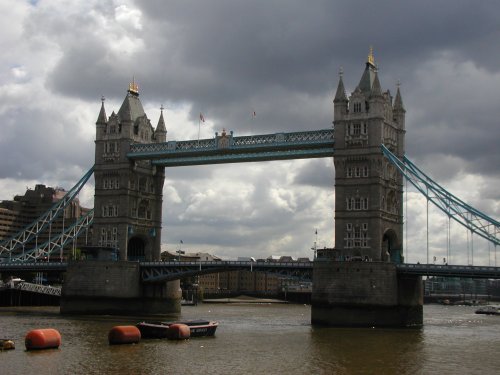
x=259, y=339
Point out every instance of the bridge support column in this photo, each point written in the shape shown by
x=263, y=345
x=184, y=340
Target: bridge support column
x=365, y=294
x=115, y=288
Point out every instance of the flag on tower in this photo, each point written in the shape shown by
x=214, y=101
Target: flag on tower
x=202, y=119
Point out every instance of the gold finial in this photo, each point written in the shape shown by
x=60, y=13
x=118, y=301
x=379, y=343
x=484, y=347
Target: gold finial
x=133, y=87
x=341, y=72
x=161, y=108
x=371, y=60
x=103, y=99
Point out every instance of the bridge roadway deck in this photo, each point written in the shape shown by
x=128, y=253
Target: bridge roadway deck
x=165, y=271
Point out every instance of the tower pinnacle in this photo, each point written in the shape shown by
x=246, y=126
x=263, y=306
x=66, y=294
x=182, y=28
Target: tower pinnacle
x=102, y=118
x=133, y=87
x=371, y=59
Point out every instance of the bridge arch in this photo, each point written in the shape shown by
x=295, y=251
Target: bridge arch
x=391, y=247
x=136, y=249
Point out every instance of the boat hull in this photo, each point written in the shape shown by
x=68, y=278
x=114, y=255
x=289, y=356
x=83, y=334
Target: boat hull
x=159, y=330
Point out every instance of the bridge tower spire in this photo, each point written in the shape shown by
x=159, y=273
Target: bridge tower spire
x=368, y=190
x=128, y=194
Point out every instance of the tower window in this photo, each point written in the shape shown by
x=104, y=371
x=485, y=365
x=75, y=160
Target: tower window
x=357, y=204
x=357, y=107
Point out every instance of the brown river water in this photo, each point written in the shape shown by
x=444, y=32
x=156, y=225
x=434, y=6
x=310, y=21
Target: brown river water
x=258, y=339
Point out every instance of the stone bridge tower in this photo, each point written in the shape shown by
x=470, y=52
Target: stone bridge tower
x=368, y=189
x=368, y=216
x=128, y=194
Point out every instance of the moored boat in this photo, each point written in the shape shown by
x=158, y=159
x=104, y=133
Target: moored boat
x=159, y=330
x=200, y=328
x=488, y=310
x=152, y=330
x=7, y=344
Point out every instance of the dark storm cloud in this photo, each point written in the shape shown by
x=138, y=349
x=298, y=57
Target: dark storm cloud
x=229, y=57
x=34, y=143
x=319, y=173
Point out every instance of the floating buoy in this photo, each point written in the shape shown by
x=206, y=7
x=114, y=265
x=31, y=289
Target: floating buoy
x=178, y=331
x=124, y=335
x=7, y=344
x=48, y=338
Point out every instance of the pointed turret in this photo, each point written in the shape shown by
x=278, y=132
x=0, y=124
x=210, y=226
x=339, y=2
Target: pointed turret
x=376, y=88
x=340, y=95
x=161, y=130
x=102, y=122
x=398, y=102
x=340, y=101
x=399, y=111
x=368, y=77
x=131, y=108
x=102, y=119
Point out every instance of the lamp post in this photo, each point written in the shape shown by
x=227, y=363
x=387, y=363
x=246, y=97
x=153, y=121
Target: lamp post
x=179, y=252
x=315, y=247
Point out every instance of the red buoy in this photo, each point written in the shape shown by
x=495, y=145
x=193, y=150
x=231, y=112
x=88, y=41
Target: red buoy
x=178, y=331
x=124, y=335
x=47, y=338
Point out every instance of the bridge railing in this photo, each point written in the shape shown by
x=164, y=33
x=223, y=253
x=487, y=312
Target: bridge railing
x=450, y=270
x=37, y=288
x=164, y=271
x=283, y=140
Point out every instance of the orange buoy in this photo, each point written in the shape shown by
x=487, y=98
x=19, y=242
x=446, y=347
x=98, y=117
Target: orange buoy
x=178, y=331
x=47, y=338
x=124, y=335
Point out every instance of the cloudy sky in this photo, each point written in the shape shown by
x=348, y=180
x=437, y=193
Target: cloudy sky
x=278, y=57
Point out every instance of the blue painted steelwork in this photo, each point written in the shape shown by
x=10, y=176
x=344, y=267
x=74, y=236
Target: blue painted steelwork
x=454, y=207
x=15, y=246
x=34, y=267
x=164, y=271
x=226, y=148
x=244, y=157
x=472, y=272
x=55, y=244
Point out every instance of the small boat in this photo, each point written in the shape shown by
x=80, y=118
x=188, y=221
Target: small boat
x=7, y=344
x=159, y=330
x=200, y=328
x=488, y=310
x=152, y=330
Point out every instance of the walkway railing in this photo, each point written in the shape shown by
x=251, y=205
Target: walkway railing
x=37, y=288
x=229, y=149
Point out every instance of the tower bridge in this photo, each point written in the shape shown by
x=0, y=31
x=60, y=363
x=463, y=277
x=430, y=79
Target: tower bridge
x=367, y=143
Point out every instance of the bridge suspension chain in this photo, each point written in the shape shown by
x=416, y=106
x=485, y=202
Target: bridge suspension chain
x=16, y=244
x=471, y=218
x=56, y=244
